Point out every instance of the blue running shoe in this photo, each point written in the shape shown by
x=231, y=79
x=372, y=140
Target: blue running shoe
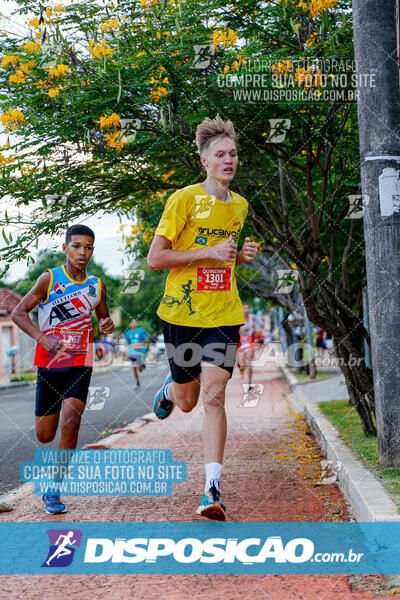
x=53, y=504
x=211, y=506
x=163, y=407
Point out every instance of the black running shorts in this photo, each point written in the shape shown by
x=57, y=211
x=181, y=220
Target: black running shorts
x=186, y=347
x=53, y=385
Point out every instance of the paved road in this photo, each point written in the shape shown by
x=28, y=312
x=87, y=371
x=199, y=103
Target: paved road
x=124, y=403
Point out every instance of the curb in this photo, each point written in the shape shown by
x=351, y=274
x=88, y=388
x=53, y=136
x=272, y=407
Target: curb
x=367, y=497
x=5, y=387
x=25, y=488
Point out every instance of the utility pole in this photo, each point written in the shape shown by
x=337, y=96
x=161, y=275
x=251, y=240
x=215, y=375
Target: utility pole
x=375, y=43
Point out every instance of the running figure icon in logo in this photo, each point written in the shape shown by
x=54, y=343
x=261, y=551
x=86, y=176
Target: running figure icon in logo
x=187, y=289
x=62, y=547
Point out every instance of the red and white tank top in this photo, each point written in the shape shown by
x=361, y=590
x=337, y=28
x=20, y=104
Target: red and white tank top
x=66, y=314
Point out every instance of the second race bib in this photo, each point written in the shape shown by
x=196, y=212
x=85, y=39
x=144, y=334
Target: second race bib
x=74, y=340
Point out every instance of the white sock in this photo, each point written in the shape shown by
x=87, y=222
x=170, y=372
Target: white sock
x=213, y=475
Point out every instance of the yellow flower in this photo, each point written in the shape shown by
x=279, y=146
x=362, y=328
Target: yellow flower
x=27, y=66
x=99, y=50
x=17, y=77
x=53, y=92
x=5, y=160
x=294, y=266
x=49, y=13
x=31, y=47
x=227, y=38
x=59, y=71
x=12, y=119
x=158, y=34
x=141, y=53
x=110, y=25
x=59, y=8
x=34, y=23
x=317, y=7
x=10, y=59
x=226, y=69
x=168, y=175
x=112, y=121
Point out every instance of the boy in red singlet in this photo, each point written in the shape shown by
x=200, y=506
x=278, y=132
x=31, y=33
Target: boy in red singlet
x=66, y=296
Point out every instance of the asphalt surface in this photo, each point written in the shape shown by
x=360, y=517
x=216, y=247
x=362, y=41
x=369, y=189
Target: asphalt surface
x=116, y=402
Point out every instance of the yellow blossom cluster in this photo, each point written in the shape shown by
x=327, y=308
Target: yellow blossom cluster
x=10, y=59
x=112, y=123
x=110, y=25
x=168, y=175
x=160, y=89
x=19, y=74
x=236, y=64
x=31, y=47
x=317, y=7
x=34, y=23
x=283, y=67
x=149, y=234
x=59, y=70
x=12, y=119
x=144, y=3
x=99, y=50
x=53, y=92
x=5, y=160
x=312, y=39
x=308, y=77
x=227, y=38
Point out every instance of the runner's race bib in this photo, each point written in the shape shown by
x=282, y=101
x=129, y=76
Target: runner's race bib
x=74, y=340
x=214, y=279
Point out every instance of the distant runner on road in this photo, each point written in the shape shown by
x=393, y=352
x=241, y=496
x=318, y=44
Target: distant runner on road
x=137, y=339
x=201, y=311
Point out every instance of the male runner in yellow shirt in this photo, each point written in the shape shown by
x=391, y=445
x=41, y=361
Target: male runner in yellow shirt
x=201, y=311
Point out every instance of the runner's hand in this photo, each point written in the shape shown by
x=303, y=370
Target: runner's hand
x=249, y=250
x=106, y=325
x=224, y=251
x=51, y=344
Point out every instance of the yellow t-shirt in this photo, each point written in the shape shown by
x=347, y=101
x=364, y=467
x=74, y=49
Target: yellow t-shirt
x=204, y=294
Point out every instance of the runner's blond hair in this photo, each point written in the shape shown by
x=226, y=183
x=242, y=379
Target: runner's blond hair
x=210, y=129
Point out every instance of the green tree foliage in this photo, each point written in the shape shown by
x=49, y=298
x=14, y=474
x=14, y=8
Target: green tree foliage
x=105, y=100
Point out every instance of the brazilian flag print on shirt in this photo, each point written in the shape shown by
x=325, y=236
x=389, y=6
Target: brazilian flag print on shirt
x=203, y=294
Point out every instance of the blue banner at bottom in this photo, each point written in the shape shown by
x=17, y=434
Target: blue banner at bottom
x=200, y=548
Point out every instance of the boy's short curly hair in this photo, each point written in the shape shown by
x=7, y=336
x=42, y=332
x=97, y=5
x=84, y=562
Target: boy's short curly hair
x=210, y=129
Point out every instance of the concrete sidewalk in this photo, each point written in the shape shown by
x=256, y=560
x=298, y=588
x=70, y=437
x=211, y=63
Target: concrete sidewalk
x=271, y=468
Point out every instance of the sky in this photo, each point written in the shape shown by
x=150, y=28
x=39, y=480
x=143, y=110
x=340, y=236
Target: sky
x=108, y=241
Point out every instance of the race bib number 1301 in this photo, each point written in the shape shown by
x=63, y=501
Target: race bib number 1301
x=214, y=279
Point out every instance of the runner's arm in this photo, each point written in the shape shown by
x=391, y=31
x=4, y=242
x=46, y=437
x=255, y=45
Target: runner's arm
x=102, y=313
x=20, y=314
x=161, y=256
